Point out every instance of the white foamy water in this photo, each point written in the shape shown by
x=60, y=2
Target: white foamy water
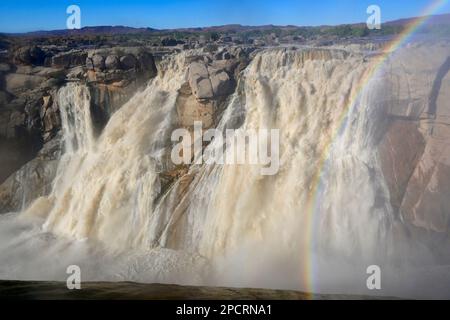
x=221, y=225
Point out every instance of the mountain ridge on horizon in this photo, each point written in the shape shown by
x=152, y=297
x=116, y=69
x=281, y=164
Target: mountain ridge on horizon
x=443, y=19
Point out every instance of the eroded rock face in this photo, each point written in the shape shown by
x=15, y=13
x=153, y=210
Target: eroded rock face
x=69, y=59
x=16, y=83
x=426, y=202
x=400, y=150
x=15, y=152
x=109, y=66
x=146, y=63
x=30, y=80
x=415, y=150
x=51, y=120
x=214, y=75
x=189, y=109
x=212, y=78
x=208, y=81
x=31, y=181
x=201, y=99
x=29, y=55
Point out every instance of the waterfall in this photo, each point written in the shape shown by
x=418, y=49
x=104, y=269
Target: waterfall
x=221, y=224
x=249, y=225
x=106, y=186
x=78, y=132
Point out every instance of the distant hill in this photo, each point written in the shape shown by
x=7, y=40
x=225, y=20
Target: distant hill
x=97, y=30
x=443, y=19
x=237, y=28
x=440, y=19
x=117, y=30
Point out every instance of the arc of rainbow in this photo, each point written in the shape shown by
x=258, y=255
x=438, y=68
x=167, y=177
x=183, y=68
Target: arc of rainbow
x=371, y=71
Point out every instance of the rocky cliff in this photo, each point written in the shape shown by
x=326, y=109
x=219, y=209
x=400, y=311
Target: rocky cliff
x=30, y=77
x=381, y=189
x=415, y=149
x=30, y=119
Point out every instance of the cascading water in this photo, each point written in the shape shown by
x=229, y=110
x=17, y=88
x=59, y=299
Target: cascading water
x=250, y=225
x=219, y=224
x=77, y=126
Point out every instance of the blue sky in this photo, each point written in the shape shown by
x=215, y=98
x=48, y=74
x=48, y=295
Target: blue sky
x=28, y=15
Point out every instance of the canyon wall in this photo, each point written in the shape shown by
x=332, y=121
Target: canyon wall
x=415, y=148
x=361, y=181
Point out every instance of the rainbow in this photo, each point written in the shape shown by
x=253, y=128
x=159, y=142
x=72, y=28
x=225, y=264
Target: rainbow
x=372, y=70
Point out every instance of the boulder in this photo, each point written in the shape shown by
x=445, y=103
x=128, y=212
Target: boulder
x=199, y=81
x=98, y=62
x=208, y=82
x=112, y=62
x=128, y=61
x=221, y=82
